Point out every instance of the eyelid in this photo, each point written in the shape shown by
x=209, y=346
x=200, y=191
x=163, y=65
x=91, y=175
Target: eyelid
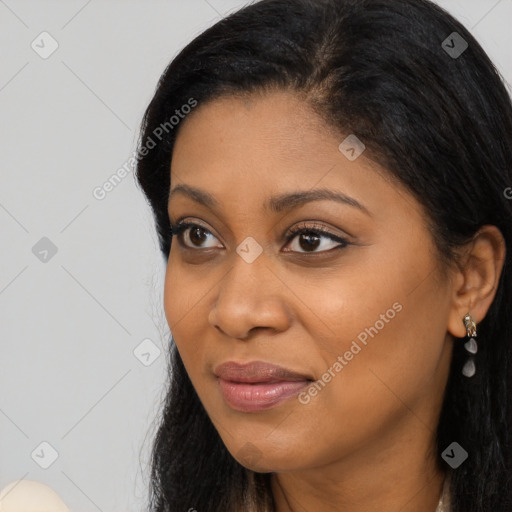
x=314, y=226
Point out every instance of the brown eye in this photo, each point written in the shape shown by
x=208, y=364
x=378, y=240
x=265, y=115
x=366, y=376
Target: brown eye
x=309, y=238
x=194, y=233
x=197, y=235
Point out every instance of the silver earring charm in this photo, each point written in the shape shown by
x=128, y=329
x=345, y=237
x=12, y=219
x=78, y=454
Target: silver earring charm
x=469, y=368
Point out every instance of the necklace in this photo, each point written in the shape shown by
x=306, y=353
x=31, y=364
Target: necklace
x=444, y=502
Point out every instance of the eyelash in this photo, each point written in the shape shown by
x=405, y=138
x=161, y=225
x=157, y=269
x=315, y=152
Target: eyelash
x=179, y=228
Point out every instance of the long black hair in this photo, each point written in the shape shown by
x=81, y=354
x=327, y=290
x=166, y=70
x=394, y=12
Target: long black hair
x=432, y=111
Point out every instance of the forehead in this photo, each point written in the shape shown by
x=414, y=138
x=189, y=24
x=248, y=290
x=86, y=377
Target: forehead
x=277, y=124
x=250, y=136
x=250, y=150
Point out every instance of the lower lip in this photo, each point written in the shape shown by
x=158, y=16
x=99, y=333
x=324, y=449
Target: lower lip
x=258, y=397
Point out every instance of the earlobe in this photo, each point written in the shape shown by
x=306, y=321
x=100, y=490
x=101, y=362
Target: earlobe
x=456, y=323
x=463, y=297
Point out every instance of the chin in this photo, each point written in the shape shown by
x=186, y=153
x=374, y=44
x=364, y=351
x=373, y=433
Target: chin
x=265, y=457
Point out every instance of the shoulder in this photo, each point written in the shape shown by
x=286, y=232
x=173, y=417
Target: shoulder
x=30, y=496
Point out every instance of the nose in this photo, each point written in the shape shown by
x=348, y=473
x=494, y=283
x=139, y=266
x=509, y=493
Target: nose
x=250, y=297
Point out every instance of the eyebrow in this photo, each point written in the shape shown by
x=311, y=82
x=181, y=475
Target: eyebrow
x=275, y=204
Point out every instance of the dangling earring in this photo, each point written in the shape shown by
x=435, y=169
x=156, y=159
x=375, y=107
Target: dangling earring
x=469, y=368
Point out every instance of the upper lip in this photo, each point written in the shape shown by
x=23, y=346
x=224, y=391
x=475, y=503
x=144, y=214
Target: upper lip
x=257, y=371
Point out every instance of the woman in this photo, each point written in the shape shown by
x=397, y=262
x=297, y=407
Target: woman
x=334, y=177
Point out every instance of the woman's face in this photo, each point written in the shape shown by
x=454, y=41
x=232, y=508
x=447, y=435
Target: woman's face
x=366, y=318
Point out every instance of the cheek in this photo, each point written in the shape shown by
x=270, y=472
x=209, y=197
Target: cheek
x=389, y=331
x=179, y=307
x=183, y=296
x=173, y=295
x=184, y=304
x=396, y=370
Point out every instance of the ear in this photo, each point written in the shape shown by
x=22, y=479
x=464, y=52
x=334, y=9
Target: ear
x=476, y=282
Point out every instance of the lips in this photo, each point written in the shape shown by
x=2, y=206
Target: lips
x=257, y=371
x=257, y=385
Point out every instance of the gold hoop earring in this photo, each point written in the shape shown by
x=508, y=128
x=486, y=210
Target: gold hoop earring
x=469, y=368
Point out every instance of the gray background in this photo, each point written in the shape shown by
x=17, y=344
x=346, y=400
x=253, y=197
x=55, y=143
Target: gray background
x=81, y=329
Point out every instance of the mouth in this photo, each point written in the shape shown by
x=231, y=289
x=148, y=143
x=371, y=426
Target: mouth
x=257, y=386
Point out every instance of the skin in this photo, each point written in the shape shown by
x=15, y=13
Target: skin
x=366, y=441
